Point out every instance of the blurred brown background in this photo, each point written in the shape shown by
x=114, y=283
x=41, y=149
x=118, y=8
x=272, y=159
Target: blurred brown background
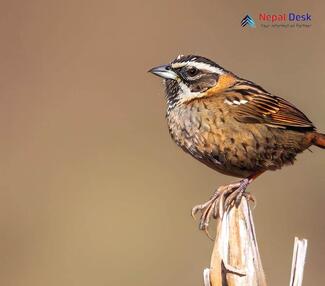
x=93, y=191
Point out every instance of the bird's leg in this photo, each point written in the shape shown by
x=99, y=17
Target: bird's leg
x=224, y=197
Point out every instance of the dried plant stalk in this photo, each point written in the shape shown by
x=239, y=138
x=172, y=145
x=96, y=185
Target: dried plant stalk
x=235, y=258
x=298, y=262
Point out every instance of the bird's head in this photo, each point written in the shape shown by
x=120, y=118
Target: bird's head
x=190, y=77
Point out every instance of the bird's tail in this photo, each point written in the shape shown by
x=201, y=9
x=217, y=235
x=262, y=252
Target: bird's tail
x=318, y=139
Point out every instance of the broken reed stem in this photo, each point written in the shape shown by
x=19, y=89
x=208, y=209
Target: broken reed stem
x=235, y=259
x=298, y=261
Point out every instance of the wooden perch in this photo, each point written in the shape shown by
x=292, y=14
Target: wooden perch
x=235, y=258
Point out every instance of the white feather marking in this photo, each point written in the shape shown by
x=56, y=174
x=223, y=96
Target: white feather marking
x=242, y=101
x=199, y=65
x=186, y=94
x=228, y=102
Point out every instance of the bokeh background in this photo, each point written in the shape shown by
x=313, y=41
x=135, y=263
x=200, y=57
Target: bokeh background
x=93, y=190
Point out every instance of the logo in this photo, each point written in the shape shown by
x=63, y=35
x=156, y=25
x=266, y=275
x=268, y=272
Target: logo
x=248, y=20
x=278, y=20
x=284, y=17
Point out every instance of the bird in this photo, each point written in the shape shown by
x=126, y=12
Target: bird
x=232, y=125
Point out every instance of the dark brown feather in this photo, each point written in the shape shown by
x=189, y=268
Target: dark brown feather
x=263, y=107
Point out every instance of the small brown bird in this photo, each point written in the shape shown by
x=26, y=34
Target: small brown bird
x=232, y=125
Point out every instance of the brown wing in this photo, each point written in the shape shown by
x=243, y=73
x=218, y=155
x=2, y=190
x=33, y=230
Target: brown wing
x=251, y=103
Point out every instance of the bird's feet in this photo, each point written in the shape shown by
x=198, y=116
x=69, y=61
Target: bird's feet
x=224, y=198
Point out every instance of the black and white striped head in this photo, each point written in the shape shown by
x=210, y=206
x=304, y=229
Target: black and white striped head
x=188, y=77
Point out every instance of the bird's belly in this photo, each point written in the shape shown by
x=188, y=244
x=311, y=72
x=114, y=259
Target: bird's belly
x=234, y=148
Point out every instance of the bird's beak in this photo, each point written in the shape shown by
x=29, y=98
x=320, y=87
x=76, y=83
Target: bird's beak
x=164, y=71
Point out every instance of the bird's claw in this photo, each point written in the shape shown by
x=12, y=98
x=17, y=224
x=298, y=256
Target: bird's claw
x=224, y=198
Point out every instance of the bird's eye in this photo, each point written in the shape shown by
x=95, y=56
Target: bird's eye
x=193, y=71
